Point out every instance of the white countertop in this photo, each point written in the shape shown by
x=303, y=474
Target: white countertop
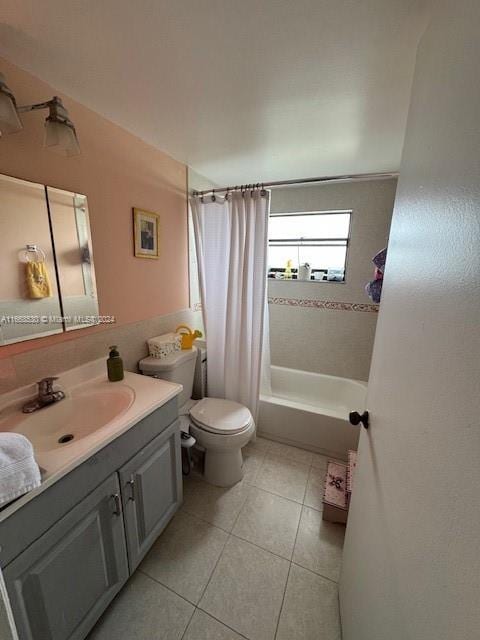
x=148, y=394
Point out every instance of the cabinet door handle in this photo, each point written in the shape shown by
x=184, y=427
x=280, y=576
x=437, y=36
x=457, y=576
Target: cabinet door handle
x=118, y=504
x=131, y=484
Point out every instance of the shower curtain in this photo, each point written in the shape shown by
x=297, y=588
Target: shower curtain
x=231, y=242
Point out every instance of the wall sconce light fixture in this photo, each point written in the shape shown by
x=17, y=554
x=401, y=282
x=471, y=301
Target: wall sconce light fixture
x=60, y=134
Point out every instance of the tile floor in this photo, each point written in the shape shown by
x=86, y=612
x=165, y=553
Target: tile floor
x=253, y=562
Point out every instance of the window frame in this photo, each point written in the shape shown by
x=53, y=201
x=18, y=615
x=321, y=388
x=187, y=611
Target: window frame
x=325, y=243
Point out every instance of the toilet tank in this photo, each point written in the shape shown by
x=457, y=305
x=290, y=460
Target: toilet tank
x=178, y=367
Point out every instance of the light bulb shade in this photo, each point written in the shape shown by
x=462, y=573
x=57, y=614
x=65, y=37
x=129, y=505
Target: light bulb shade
x=9, y=120
x=61, y=138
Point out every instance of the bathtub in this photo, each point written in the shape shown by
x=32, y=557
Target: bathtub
x=310, y=410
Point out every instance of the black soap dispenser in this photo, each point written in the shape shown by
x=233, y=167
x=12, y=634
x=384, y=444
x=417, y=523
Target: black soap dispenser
x=114, y=365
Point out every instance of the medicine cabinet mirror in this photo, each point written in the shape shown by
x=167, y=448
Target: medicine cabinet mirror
x=47, y=284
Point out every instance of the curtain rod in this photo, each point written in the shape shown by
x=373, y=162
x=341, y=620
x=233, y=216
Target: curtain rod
x=285, y=183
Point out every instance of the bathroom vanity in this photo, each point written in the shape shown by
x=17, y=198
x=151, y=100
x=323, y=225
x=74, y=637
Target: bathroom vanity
x=69, y=546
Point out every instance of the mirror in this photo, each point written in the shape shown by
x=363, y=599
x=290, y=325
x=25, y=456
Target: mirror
x=73, y=251
x=48, y=278
x=29, y=297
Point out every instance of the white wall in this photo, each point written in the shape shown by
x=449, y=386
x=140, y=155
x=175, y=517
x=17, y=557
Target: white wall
x=335, y=342
x=412, y=549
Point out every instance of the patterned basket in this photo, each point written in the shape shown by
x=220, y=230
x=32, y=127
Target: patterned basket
x=162, y=346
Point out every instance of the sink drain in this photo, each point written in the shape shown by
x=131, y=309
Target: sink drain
x=66, y=438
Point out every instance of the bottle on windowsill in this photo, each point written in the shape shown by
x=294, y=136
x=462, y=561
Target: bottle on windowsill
x=288, y=270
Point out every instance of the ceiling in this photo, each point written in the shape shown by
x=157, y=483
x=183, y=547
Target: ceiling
x=240, y=90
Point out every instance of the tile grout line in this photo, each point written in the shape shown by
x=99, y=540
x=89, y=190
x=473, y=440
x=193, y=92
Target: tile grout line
x=174, y=593
x=241, y=508
x=291, y=563
x=249, y=487
x=293, y=552
x=232, y=535
x=165, y=586
x=264, y=455
x=190, y=513
x=235, y=535
x=195, y=606
x=283, y=601
x=218, y=560
x=255, y=474
x=285, y=444
x=284, y=497
x=288, y=576
x=304, y=507
x=297, y=463
x=211, y=574
x=223, y=623
x=229, y=535
x=277, y=495
x=254, y=544
x=315, y=573
x=194, y=515
x=310, y=466
x=290, y=560
x=313, y=453
x=306, y=488
x=188, y=623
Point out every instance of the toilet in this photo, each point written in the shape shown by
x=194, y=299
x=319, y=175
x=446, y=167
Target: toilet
x=221, y=427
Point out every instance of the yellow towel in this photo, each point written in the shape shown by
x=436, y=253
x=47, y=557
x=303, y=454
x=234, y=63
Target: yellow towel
x=37, y=280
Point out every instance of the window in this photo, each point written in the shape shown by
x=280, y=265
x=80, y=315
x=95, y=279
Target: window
x=316, y=241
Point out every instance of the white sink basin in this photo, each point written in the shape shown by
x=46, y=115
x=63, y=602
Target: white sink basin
x=94, y=411
x=66, y=422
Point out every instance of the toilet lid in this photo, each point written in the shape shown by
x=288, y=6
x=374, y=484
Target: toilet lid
x=220, y=416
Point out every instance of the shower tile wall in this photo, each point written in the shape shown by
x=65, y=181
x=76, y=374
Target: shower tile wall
x=337, y=343
x=332, y=341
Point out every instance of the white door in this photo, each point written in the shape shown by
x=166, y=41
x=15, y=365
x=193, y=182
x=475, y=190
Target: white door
x=412, y=550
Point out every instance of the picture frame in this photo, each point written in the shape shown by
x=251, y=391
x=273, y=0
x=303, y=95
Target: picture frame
x=146, y=233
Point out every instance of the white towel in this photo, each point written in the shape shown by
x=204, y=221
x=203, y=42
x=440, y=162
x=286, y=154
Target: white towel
x=162, y=346
x=19, y=473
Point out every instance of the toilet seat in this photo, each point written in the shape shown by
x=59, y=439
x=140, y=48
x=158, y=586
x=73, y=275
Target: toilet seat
x=223, y=417
x=220, y=427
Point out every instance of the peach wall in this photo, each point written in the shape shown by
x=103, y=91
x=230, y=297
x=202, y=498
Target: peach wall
x=116, y=171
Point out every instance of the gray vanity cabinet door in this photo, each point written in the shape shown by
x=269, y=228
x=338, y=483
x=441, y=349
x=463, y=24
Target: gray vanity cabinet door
x=60, y=585
x=151, y=485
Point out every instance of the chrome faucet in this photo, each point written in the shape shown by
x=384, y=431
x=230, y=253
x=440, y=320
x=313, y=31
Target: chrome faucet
x=46, y=395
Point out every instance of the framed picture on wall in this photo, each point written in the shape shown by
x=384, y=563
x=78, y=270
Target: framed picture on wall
x=146, y=230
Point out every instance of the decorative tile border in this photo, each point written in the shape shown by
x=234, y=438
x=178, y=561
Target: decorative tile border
x=308, y=303
x=331, y=305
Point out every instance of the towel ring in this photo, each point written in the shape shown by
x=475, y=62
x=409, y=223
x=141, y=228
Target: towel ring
x=33, y=248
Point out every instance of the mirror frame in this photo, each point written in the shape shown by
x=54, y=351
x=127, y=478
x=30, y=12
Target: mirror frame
x=89, y=279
